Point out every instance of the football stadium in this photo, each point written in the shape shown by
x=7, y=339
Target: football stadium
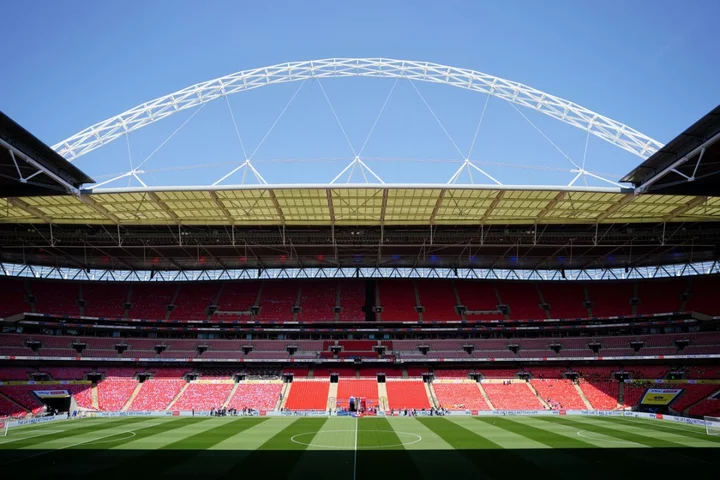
x=354, y=326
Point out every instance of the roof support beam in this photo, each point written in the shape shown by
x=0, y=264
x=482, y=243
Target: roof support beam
x=695, y=202
x=278, y=210
x=35, y=212
x=90, y=202
x=218, y=203
x=438, y=204
x=498, y=198
x=614, y=208
x=331, y=207
x=384, y=207
x=551, y=204
x=163, y=206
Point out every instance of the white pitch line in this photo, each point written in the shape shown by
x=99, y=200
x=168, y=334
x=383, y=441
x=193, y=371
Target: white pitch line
x=357, y=420
x=17, y=439
x=75, y=445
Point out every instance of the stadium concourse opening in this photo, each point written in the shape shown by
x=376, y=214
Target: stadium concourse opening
x=386, y=331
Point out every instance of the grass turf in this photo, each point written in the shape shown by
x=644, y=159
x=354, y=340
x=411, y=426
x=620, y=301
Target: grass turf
x=369, y=448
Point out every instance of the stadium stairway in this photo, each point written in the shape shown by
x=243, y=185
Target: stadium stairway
x=179, y=394
x=583, y=397
x=485, y=396
x=382, y=396
x=332, y=396
x=539, y=397
x=95, y=399
x=231, y=395
x=130, y=400
x=432, y=398
x=285, y=392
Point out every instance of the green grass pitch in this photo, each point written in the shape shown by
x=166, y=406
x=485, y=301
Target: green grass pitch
x=369, y=448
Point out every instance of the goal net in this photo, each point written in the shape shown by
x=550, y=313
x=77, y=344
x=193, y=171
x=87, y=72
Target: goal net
x=712, y=425
x=3, y=428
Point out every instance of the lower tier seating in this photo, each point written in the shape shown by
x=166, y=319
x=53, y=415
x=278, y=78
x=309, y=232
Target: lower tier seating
x=22, y=395
x=308, y=395
x=602, y=394
x=460, y=396
x=261, y=396
x=513, y=396
x=559, y=394
x=203, y=396
x=156, y=394
x=367, y=389
x=114, y=392
x=407, y=394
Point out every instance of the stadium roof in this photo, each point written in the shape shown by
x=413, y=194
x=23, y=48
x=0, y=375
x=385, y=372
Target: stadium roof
x=687, y=165
x=254, y=205
x=23, y=156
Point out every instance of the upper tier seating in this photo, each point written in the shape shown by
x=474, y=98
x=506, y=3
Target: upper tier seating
x=261, y=396
x=352, y=300
x=156, y=395
x=105, y=299
x=513, y=396
x=660, y=296
x=193, y=300
x=56, y=297
x=602, y=394
x=438, y=298
x=523, y=300
x=308, y=395
x=398, y=300
x=237, y=297
x=476, y=297
x=703, y=295
x=317, y=300
x=559, y=394
x=150, y=301
x=407, y=394
x=566, y=299
x=277, y=299
x=203, y=396
x=610, y=299
x=13, y=297
x=460, y=396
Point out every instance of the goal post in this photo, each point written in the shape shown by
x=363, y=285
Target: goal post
x=3, y=428
x=712, y=425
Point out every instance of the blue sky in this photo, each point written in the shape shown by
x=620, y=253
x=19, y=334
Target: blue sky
x=652, y=65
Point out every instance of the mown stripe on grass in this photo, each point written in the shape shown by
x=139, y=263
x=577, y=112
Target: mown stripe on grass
x=381, y=453
x=674, y=455
x=490, y=459
x=159, y=461
x=38, y=442
x=331, y=451
x=432, y=455
x=277, y=457
x=657, y=426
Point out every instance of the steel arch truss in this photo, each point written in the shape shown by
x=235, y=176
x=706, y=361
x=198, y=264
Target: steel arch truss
x=571, y=113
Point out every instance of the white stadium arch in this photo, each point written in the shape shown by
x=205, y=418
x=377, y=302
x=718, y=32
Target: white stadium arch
x=516, y=93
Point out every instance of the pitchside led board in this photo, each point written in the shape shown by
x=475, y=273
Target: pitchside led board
x=660, y=396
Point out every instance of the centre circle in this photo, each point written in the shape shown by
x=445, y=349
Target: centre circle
x=299, y=438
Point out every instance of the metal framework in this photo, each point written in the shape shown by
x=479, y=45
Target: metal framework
x=516, y=93
x=588, y=274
